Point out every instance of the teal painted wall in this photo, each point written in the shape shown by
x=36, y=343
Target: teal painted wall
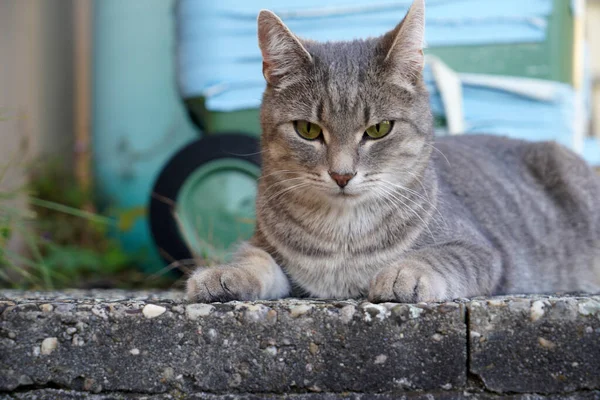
x=139, y=120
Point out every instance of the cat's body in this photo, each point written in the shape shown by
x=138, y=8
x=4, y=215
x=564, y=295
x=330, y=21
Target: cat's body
x=536, y=204
x=532, y=208
x=356, y=199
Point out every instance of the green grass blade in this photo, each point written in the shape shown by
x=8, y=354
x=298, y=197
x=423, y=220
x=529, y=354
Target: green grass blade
x=35, y=250
x=50, y=205
x=12, y=258
x=15, y=212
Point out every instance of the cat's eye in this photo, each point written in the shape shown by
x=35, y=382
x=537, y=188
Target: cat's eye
x=379, y=130
x=307, y=130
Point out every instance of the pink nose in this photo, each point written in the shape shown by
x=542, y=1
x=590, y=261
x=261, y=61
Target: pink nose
x=341, y=179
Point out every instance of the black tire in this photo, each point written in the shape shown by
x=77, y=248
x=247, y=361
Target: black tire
x=163, y=226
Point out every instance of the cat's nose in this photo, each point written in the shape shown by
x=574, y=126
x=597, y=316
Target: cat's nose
x=341, y=179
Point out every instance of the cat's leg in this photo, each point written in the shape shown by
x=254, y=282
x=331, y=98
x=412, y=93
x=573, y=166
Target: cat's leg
x=252, y=275
x=438, y=273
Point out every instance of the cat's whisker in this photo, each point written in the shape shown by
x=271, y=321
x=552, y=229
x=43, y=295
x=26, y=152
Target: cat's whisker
x=376, y=178
x=285, y=180
x=437, y=211
x=438, y=150
x=383, y=196
x=278, y=185
x=428, y=200
x=393, y=186
x=281, y=193
x=284, y=171
x=392, y=194
x=414, y=192
x=414, y=175
x=287, y=189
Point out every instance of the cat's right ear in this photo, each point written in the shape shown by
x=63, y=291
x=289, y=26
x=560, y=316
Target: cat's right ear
x=281, y=50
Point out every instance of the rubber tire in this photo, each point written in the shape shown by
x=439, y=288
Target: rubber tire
x=163, y=227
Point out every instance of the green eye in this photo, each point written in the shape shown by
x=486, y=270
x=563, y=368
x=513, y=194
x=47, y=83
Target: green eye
x=379, y=130
x=307, y=130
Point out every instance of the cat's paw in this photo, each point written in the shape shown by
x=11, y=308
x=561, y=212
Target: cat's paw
x=410, y=282
x=226, y=283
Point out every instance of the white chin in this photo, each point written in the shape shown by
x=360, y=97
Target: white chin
x=346, y=194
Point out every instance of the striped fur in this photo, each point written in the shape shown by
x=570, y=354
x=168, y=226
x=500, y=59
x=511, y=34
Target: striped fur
x=420, y=220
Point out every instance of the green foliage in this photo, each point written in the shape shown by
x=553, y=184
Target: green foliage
x=67, y=244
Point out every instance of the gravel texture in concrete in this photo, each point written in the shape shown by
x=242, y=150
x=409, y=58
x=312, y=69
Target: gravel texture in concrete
x=114, y=344
x=548, y=345
x=52, y=394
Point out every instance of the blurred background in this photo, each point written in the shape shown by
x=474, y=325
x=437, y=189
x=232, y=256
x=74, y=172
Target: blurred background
x=129, y=129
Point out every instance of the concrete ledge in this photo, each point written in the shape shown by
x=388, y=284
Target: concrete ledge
x=547, y=345
x=51, y=394
x=131, y=344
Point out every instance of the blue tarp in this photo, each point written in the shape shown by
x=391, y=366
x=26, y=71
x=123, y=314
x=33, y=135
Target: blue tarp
x=548, y=114
x=219, y=59
x=491, y=110
x=217, y=40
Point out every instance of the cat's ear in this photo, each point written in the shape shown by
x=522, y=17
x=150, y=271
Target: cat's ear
x=281, y=50
x=403, y=46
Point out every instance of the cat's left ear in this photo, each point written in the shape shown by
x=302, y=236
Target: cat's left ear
x=403, y=46
x=282, y=52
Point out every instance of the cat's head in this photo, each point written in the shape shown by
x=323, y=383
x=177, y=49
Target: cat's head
x=345, y=120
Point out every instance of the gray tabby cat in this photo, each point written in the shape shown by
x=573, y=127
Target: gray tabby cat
x=355, y=200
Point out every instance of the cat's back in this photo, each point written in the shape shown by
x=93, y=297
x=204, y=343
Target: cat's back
x=506, y=171
x=538, y=203
x=537, y=166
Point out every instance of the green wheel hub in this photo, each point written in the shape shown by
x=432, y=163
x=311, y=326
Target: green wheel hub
x=216, y=206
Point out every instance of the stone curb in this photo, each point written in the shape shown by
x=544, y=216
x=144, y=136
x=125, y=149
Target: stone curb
x=155, y=343
x=51, y=394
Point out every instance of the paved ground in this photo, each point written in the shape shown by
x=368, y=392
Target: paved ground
x=115, y=345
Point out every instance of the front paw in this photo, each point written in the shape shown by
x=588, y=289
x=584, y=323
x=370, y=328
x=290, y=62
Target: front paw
x=222, y=284
x=410, y=282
